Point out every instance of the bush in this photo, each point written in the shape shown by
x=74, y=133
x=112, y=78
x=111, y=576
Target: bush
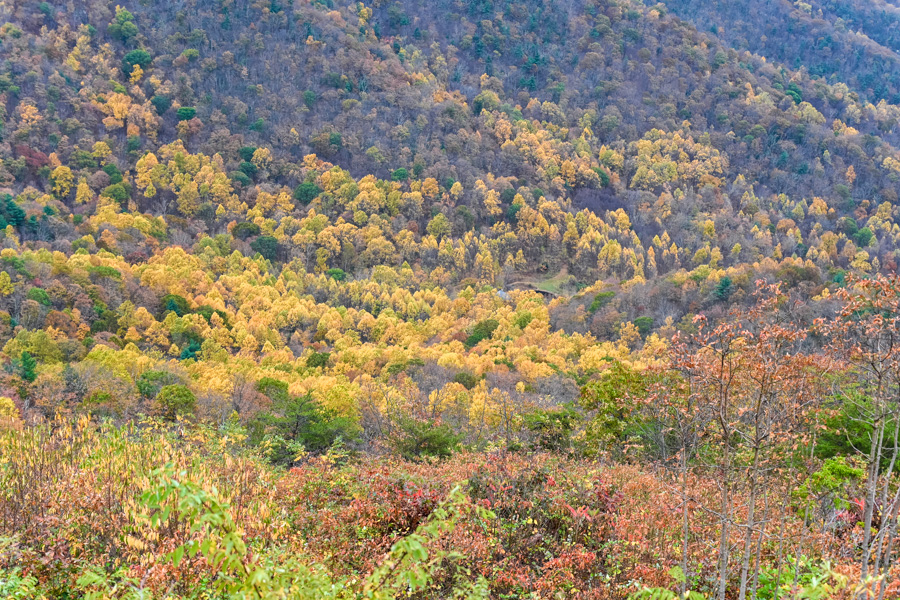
x=174, y=401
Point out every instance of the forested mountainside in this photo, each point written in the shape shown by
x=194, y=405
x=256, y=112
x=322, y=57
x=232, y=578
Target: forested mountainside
x=837, y=41
x=538, y=298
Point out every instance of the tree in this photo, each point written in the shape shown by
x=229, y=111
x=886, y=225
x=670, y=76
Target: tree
x=175, y=303
x=267, y=246
x=161, y=103
x=62, y=179
x=122, y=26
x=297, y=419
x=439, y=226
x=416, y=439
x=748, y=375
x=150, y=383
x=175, y=401
x=723, y=289
x=245, y=230
x=306, y=192
x=139, y=57
x=27, y=367
x=865, y=335
x=186, y=113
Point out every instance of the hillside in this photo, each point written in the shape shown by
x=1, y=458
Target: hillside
x=357, y=238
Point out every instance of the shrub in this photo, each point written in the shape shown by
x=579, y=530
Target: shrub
x=174, y=401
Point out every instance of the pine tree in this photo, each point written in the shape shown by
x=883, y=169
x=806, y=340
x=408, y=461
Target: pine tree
x=28, y=367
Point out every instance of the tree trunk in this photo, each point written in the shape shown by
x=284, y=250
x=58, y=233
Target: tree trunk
x=685, y=522
x=725, y=516
x=871, y=491
x=748, y=535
